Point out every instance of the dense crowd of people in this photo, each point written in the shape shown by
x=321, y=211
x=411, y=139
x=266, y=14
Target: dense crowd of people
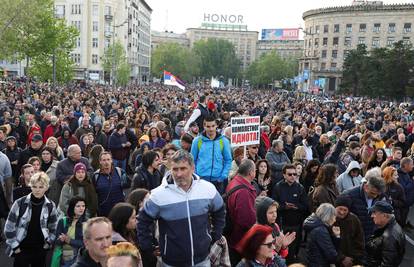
x=147, y=176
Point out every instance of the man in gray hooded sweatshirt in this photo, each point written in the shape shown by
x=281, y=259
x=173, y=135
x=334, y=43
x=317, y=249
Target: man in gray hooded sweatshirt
x=349, y=178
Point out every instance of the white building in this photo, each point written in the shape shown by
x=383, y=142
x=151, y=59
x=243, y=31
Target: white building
x=99, y=22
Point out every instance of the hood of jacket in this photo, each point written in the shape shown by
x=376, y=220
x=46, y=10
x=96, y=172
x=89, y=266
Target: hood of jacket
x=353, y=165
x=312, y=222
x=261, y=209
x=99, y=130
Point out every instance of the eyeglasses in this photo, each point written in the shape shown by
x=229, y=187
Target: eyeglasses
x=270, y=244
x=254, y=147
x=291, y=174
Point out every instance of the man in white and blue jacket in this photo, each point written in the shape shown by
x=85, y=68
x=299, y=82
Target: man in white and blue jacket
x=212, y=155
x=190, y=215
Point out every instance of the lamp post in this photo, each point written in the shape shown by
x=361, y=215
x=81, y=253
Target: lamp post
x=113, y=76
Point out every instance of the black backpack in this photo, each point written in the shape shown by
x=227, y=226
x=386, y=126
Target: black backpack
x=228, y=227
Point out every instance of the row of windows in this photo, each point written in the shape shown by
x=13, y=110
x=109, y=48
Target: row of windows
x=376, y=27
x=348, y=41
x=77, y=58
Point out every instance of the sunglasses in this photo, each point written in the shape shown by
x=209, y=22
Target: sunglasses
x=291, y=174
x=254, y=147
x=270, y=244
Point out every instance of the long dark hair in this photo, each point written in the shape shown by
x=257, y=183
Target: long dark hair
x=119, y=216
x=373, y=160
x=267, y=174
x=136, y=197
x=326, y=175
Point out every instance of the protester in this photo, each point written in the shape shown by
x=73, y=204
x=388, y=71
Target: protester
x=186, y=238
x=31, y=225
x=350, y=178
x=24, y=188
x=266, y=214
x=109, y=184
x=257, y=247
x=325, y=190
x=212, y=155
x=69, y=233
x=387, y=245
x=241, y=196
x=277, y=159
x=352, y=248
x=394, y=194
x=262, y=181
x=124, y=223
x=364, y=197
x=407, y=182
x=97, y=237
x=323, y=238
x=293, y=207
x=123, y=254
x=119, y=145
x=148, y=175
x=79, y=185
x=64, y=169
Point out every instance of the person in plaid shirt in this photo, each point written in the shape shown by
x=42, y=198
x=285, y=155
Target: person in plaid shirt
x=31, y=225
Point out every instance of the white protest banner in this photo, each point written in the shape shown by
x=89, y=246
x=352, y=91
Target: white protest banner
x=245, y=131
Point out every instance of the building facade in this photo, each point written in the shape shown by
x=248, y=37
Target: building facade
x=330, y=33
x=286, y=49
x=101, y=24
x=243, y=40
x=158, y=38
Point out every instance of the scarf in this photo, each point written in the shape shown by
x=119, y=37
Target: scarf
x=90, y=195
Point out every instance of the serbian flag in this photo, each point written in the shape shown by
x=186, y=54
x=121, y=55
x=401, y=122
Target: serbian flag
x=170, y=79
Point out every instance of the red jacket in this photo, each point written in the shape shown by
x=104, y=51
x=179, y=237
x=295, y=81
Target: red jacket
x=241, y=209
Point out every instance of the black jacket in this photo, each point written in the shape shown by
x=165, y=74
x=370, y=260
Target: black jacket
x=322, y=246
x=386, y=247
x=84, y=260
x=295, y=194
x=360, y=209
x=144, y=179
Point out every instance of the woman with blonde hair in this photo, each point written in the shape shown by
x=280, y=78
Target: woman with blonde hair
x=300, y=155
x=53, y=143
x=394, y=192
x=31, y=225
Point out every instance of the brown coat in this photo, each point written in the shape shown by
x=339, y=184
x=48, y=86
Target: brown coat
x=324, y=194
x=352, y=238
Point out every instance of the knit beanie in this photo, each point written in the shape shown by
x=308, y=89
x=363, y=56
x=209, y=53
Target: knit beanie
x=343, y=201
x=79, y=166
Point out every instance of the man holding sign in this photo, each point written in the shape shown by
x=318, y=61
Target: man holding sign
x=212, y=155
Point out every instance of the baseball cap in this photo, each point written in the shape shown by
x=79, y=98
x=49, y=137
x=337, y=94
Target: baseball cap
x=382, y=206
x=337, y=129
x=37, y=137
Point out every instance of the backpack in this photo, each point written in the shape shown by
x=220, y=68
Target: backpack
x=228, y=227
x=125, y=181
x=200, y=143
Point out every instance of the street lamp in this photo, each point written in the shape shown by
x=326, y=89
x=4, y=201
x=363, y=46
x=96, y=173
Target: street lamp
x=113, y=76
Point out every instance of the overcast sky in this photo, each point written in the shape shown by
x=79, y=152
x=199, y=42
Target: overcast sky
x=257, y=14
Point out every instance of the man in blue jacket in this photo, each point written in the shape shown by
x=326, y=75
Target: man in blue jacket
x=212, y=155
x=407, y=182
x=190, y=215
x=364, y=197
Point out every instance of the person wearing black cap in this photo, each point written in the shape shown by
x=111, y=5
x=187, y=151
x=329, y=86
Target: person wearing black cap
x=352, y=247
x=34, y=150
x=386, y=247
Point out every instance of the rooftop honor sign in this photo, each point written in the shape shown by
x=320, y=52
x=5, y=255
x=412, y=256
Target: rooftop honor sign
x=221, y=18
